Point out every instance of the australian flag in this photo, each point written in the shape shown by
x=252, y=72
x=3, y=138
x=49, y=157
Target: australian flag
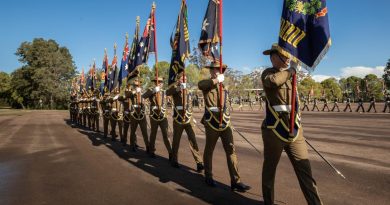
x=124, y=61
x=133, y=53
x=304, y=31
x=88, y=84
x=146, y=43
x=180, y=45
x=209, y=37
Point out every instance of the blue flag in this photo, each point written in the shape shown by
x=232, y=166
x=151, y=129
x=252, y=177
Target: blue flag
x=180, y=45
x=113, y=72
x=304, y=32
x=124, y=61
x=209, y=37
x=133, y=52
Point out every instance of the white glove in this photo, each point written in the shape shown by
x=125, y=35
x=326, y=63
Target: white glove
x=294, y=67
x=116, y=97
x=138, y=90
x=183, y=86
x=156, y=89
x=220, y=78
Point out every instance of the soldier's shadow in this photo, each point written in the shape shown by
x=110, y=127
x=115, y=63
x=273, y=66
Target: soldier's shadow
x=191, y=182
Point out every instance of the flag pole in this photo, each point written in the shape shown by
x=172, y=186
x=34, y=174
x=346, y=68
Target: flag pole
x=155, y=51
x=139, y=82
x=184, y=74
x=220, y=61
x=293, y=98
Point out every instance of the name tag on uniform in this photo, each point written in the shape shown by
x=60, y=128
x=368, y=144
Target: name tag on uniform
x=214, y=109
x=179, y=107
x=282, y=108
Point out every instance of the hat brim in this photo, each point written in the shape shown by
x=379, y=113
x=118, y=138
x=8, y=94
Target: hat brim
x=224, y=67
x=269, y=52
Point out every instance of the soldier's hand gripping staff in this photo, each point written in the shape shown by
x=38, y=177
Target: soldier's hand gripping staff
x=158, y=116
x=182, y=118
x=215, y=130
x=137, y=116
x=106, y=109
x=116, y=114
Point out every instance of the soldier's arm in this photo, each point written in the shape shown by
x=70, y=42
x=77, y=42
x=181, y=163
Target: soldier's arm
x=206, y=85
x=172, y=90
x=274, y=80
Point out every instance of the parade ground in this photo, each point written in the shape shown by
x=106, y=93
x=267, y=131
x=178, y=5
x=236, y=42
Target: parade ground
x=46, y=160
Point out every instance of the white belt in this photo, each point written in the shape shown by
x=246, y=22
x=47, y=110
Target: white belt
x=179, y=107
x=282, y=108
x=214, y=109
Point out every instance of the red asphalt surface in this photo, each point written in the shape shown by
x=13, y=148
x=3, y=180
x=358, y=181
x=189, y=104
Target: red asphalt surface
x=44, y=160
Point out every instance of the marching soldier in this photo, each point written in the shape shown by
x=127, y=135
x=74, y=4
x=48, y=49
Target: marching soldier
x=106, y=109
x=275, y=130
x=250, y=101
x=116, y=115
x=335, y=105
x=372, y=103
x=240, y=103
x=89, y=113
x=387, y=103
x=85, y=109
x=215, y=130
x=315, y=104
x=158, y=116
x=261, y=102
x=182, y=116
x=305, y=104
x=360, y=104
x=126, y=113
x=137, y=116
x=325, y=105
x=348, y=105
x=95, y=111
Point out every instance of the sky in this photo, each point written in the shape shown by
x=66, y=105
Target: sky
x=360, y=31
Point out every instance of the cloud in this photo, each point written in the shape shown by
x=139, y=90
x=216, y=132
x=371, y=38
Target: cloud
x=320, y=78
x=361, y=71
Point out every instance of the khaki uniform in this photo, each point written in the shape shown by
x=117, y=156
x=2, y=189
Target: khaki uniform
x=278, y=87
x=106, y=109
x=348, y=105
x=211, y=121
x=137, y=117
x=180, y=124
x=116, y=116
x=126, y=102
x=158, y=118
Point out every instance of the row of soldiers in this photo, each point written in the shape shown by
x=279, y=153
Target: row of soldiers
x=360, y=103
x=129, y=110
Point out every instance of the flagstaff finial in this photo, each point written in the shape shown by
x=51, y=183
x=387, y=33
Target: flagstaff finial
x=105, y=51
x=154, y=5
x=127, y=35
x=114, y=48
x=137, y=19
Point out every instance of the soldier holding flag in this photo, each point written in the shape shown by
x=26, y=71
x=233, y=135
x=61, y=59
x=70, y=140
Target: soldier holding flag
x=304, y=38
x=182, y=108
x=216, y=118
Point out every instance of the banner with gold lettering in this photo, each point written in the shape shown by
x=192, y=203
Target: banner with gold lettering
x=304, y=31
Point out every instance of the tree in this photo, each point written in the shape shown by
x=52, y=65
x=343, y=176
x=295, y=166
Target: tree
x=46, y=74
x=386, y=75
x=5, y=87
x=332, y=88
x=374, y=86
